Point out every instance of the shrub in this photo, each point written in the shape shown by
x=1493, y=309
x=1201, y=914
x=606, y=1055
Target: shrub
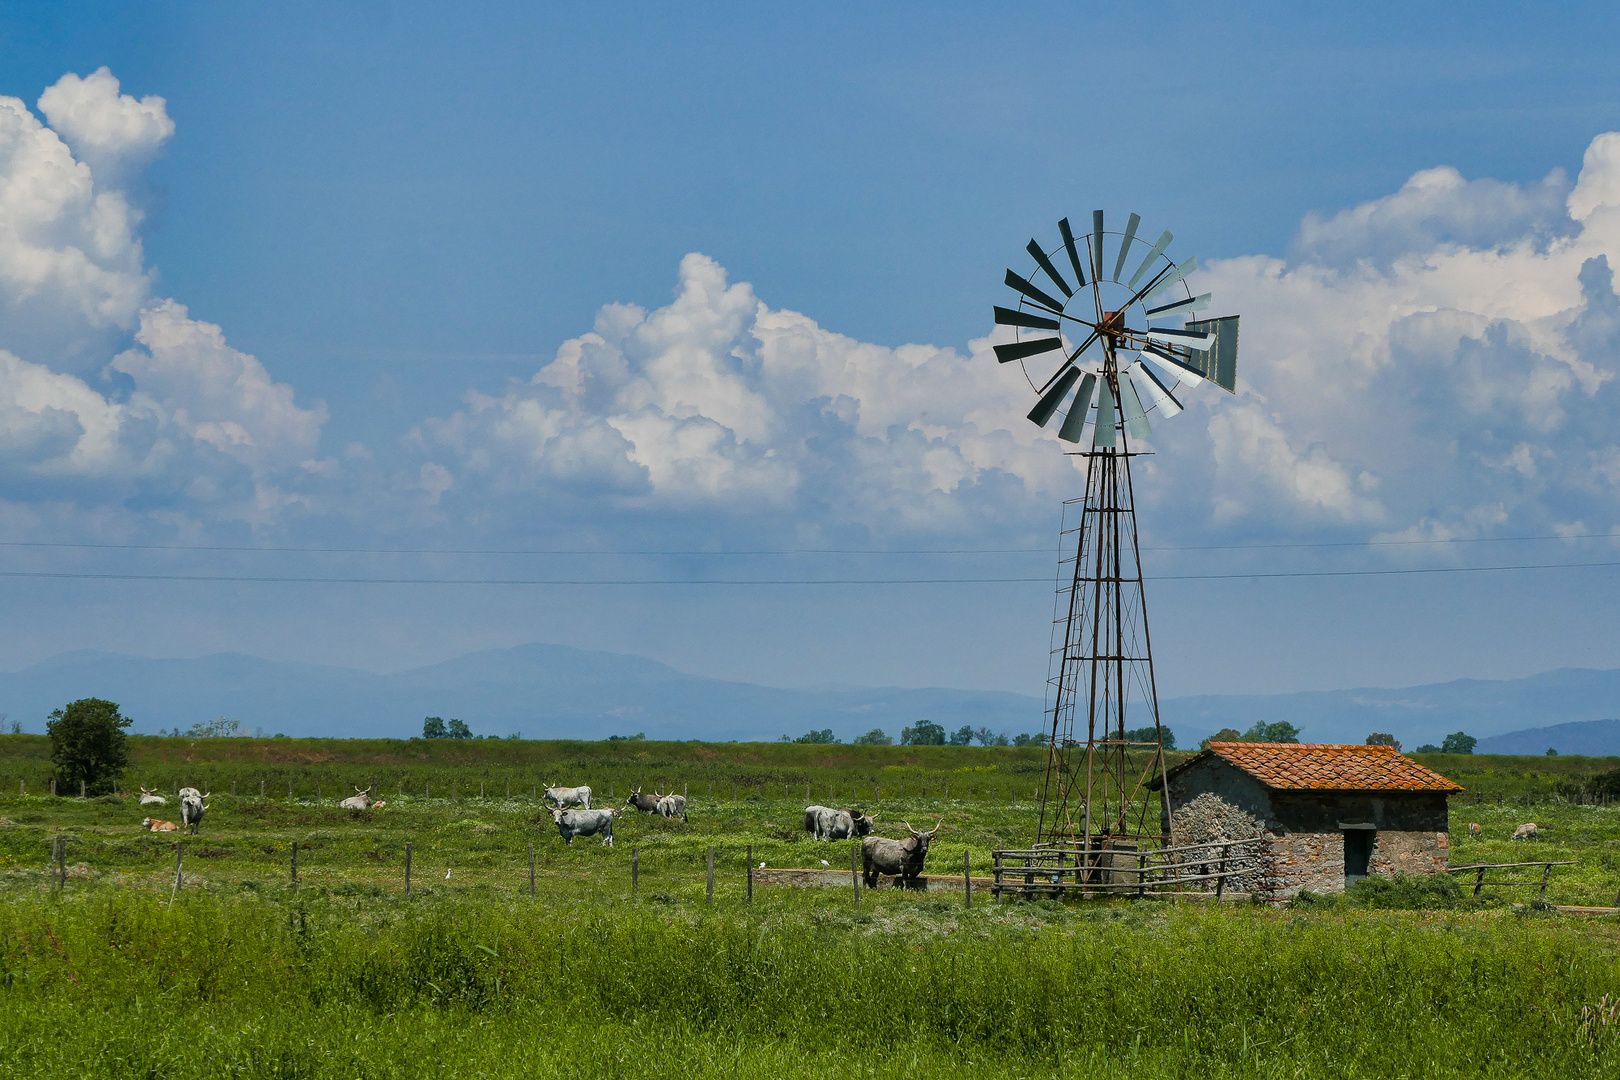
x=1405, y=892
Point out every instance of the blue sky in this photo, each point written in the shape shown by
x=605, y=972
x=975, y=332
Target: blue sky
x=336, y=289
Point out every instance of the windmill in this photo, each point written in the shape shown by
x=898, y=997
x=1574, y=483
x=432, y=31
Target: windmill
x=1107, y=352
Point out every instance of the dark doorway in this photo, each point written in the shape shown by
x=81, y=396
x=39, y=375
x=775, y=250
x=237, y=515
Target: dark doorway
x=1358, y=849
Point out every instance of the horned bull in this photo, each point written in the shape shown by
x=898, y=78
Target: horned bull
x=902, y=859
x=569, y=796
x=192, y=808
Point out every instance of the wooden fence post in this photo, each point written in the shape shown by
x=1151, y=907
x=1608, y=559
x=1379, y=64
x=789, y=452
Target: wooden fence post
x=427, y=789
x=407, y=868
x=83, y=789
x=635, y=868
x=179, y=862
x=53, y=787
x=734, y=792
x=295, y=862
x=317, y=791
x=854, y=872
x=261, y=789
x=967, y=878
x=1220, y=882
x=711, y=874
x=750, y=858
x=531, y=871
x=480, y=789
x=233, y=789
x=289, y=789
x=1546, y=872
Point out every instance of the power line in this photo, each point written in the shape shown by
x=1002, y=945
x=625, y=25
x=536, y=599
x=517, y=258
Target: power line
x=779, y=551
x=268, y=579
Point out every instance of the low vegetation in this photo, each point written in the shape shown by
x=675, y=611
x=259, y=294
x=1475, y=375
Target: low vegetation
x=240, y=972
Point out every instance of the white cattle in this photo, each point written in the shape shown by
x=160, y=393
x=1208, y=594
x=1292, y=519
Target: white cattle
x=572, y=823
x=192, y=808
x=1527, y=831
x=672, y=806
x=149, y=796
x=361, y=800
x=826, y=823
x=569, y=796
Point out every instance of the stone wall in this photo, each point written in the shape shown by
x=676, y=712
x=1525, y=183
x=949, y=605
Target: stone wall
x=1315, y=861
x=1410, y=853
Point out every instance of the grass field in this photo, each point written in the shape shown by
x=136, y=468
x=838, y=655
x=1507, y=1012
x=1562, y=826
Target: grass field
x=239, y=973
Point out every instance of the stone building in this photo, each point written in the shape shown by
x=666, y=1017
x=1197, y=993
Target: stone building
x=1331, y=814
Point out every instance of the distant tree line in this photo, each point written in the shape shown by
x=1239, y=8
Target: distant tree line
x=928, y=733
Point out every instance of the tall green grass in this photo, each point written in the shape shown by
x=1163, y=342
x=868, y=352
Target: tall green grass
x=278, y=983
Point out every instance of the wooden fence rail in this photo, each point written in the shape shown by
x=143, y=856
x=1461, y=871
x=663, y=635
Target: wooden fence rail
x=1479, y=869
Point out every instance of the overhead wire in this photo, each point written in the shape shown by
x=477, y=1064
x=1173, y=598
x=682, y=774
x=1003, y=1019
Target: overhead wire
x=694, y=552
x=1260, y=575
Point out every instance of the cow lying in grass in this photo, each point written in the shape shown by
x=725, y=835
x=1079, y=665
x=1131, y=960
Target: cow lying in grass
x=361, y=800
x=900, y=859
x=825, y=823
x=154, y=825
x=568, y=796
x=148, y=796
x=572, y=823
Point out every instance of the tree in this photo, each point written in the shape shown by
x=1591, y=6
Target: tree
x=962, y=736
x=88, y=744
x=1226, y=734
x=214, y=729
x=1029, y=740
x=987, y=737
x=1378, y=738
x=1458, y=742
x=923, y=733
x=823, y=737
x=1281, y=731
x=433, y=728
x=1552, y=751
x=1164, y=735
x=457, y=730
x=640, y=736
x=1427, y=748
x=875, y=737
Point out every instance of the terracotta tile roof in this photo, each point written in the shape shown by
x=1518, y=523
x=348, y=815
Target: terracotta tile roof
x=1324, y=765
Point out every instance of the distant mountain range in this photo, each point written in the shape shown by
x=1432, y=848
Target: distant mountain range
x=552, y=691
x=543, y=691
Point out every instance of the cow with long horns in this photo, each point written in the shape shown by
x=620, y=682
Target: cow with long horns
x=192, y=808
x=899, y=859
x=148, y=796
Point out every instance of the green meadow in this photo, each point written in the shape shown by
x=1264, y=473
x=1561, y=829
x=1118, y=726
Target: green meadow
x=241, y=972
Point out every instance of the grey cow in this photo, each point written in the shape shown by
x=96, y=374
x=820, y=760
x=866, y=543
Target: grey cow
x=671, y=805
x=901, y=859
x=826, y=823
x=572, y=823
x=192, y=808
x=568, y=796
